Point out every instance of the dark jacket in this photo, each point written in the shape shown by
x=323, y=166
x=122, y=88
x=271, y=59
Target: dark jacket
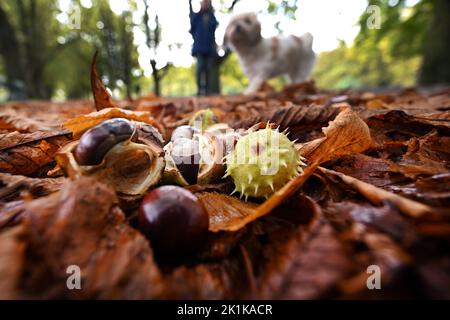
x=202, y=31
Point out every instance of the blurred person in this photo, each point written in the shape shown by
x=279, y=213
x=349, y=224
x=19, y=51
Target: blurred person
x=203, y=27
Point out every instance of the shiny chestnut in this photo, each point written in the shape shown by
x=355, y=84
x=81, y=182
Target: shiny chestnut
x=97, y=141
x=174, y=220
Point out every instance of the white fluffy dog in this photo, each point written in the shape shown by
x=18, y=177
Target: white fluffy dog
x=262, y=59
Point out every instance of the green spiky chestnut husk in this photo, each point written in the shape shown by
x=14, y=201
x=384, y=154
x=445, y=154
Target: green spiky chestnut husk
x=262, y=162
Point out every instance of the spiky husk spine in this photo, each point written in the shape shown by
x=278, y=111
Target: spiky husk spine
x=262, y=162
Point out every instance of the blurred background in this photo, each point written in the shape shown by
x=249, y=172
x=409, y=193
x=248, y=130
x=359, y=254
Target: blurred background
x=46, y=46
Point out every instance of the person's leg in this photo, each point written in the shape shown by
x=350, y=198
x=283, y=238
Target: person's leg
x=198, y=73
x=208, y=70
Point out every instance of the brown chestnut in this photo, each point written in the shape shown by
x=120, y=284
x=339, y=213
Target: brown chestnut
x=97, y=141
x=174, y=220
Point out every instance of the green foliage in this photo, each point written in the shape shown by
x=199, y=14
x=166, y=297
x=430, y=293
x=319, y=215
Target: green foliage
x=179, y=81
x=57, y=56
x=359, y=66
x=232, y=77
x=404, y=26
x=389, y=56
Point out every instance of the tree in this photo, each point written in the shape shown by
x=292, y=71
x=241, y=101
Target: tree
x=46, y=55
x=28, y=44
x=117, y=44
x=127, y=51
x=422, y=30
x=436, y=62
x=153, y=38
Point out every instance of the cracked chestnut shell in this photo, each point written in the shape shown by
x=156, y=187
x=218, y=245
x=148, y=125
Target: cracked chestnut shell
x=97, y=141
x=182, y=158
x=126, y=155
x=184, y=131
x=174, y=220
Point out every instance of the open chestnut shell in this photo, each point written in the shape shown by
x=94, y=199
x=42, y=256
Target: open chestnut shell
x=97, y=141
x=126, y=155
x=195, y=156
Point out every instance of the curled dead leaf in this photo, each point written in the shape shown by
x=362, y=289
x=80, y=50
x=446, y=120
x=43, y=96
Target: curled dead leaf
x=102, y=98
x=29, y=153
x=11, y=253
x=378, y=196
x=82, y=123
x=225, y=212
x=82, y=225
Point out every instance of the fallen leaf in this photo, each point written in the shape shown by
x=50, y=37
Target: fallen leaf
x=12, y=120
x=425, y=156
x=384, y=218
x=376, y=104
x=81, y=225
x=15, y=139
x=390, y=258
x=377, y=196
x=82, y=123
x=102, y=98
x=299, y=120
x=12, y=184
x=372, y=170
x=308, y=265
x=11, y=254
x=26, y=154
x=225, y=212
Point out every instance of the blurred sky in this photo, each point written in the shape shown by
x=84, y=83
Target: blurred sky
x=328, y=20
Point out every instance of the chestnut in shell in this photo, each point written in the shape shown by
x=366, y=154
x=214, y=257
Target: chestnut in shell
x=174, y=220
x=97, y=141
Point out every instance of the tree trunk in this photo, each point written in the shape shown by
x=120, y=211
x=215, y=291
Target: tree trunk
x=156, y=78
x=12, y=57
x=436, y=63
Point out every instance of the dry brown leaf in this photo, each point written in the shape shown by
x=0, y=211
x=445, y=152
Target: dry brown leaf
x=308, y=265
x=294, y=117
x=225, y=212
x=82, y=123
x=345, y=135
x=11, y=253
x=378, y=196
x=426, y=156
x=11, y=120
x=15, y=139
x=82, y=225
x=10, y=184
x=101, y=95
x=16, y=190
x=26, y=154
x=385, y=254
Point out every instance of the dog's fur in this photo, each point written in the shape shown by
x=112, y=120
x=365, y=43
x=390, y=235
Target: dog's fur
x=262, y=59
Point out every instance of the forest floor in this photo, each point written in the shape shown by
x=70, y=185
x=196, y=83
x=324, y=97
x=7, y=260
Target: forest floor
x=383, y=204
